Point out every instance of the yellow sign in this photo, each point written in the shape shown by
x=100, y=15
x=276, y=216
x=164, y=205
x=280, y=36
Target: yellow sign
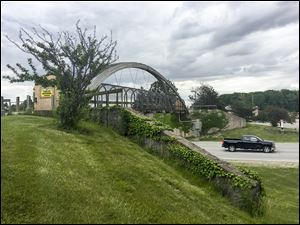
x=45, y=92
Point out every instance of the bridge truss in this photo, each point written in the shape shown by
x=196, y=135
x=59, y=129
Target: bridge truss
x=146, y=101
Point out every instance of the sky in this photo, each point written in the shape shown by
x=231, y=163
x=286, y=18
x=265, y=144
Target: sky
x=232, y=46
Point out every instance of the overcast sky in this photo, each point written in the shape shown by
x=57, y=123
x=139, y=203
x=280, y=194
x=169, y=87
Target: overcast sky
x=233, y=46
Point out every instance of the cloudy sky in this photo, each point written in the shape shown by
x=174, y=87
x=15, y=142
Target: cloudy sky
x=233, y=46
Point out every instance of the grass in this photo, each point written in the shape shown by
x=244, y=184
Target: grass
x=96, y=176
x=265, y=132
x=172, y=121
x=282, y=188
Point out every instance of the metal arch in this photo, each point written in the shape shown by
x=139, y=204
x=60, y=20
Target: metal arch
x=107, y=72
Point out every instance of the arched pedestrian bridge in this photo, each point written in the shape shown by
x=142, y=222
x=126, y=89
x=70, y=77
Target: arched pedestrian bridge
x=165, y=98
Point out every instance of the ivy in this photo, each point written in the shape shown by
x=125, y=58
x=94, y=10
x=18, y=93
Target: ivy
x=208, y=168
x=141, y=127
x=254, y=176
x=144, y=127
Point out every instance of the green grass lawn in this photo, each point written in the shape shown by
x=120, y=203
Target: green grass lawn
x=265, y=132
x=172, y=121
x=282, y=188
x=97, y=176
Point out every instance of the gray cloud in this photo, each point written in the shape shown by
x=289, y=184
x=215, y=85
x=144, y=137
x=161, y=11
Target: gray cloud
x=189, y=41
x=281, y=15
x=240, y=36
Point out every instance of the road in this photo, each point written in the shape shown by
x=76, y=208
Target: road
x=285, y=152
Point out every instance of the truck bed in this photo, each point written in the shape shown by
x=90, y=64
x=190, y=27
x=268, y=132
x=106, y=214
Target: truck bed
x=233, y=139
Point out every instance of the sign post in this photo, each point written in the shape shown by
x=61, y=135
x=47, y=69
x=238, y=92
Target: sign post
x=281, y=125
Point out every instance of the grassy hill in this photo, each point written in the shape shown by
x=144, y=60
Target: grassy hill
x=94, y=175
x=265, y=132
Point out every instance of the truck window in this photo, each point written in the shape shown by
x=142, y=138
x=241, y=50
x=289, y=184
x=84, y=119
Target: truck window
x=253, y=139
x=246, y=138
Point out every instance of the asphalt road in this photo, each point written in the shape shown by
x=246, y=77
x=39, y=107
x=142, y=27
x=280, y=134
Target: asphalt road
x=285, y=152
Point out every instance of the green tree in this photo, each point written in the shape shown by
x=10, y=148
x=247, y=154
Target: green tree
x=23, y=105
x=13, y=108
x=161, y=88
x=242, y=109
x=262, y=116
x=204, y=95
x=288, y=99
x=275, y=114
x=74, y=59
x=211, y=119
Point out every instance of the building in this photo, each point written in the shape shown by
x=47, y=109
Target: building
x=45, y=99
x=255, y=111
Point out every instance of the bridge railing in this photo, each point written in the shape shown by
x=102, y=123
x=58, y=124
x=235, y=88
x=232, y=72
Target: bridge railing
x=139, y=99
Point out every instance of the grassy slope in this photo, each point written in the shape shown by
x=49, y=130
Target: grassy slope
x=265, y=132
x=282, y=188
x=172, y=121
x=97, y=176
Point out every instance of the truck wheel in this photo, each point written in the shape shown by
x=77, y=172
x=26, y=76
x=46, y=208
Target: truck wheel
x=231, y=148
x=267, y=149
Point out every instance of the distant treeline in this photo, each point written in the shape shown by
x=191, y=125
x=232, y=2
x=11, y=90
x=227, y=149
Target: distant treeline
x=287, y=99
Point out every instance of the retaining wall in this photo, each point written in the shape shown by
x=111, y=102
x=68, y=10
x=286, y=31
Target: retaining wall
x=249, y=199
x=234, y=122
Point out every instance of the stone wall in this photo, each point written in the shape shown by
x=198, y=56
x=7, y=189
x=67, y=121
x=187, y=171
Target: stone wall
x=239, y=197
x=234, y=121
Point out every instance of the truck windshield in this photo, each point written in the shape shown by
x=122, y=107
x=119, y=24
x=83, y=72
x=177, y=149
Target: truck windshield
x=260, y=139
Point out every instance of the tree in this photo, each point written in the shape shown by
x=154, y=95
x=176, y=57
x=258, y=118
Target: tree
x=288, y=99
x=73, y=59
x=275, y=114
x=160, y=88
x=204, y=95
x=211, y=120
x=23, y=105
x=262, y=116
x=242, y=109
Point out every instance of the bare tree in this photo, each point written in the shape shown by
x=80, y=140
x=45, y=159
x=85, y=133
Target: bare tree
x=74, y=60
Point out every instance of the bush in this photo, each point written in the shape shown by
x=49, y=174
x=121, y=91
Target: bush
x=46, y=113
x=275, y=114
x=242, y=109
x=70, y=111
x=262, y=116
x=211, y=119
x=173, y=121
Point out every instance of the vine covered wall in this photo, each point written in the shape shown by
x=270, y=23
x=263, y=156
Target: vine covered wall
x=242, y=187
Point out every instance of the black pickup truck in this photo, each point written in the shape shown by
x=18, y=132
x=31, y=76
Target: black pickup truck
x=248, y=142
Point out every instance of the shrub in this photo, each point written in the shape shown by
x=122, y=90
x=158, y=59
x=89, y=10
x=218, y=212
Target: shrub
x=211, y=119
x=275, y=114
x=173, y=121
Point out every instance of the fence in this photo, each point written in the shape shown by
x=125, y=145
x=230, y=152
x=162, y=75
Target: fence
x=8, y=106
